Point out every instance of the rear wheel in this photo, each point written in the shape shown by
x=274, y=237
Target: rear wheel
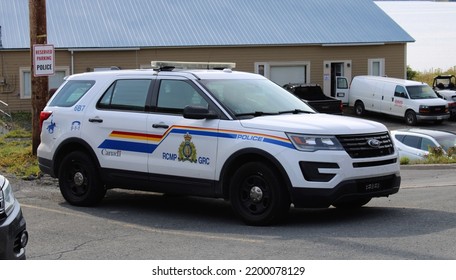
x=79, y=181
x=359, y=108
x=258, y=195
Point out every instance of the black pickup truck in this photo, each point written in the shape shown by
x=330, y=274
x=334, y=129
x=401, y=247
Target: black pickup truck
x=313, y=95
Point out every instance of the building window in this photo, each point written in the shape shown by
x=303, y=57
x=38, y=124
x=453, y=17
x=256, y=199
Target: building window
x=26, y=80
x=376, y=67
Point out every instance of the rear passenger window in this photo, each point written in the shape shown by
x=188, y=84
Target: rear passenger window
x=130, y=95
x=71, y=92
x=412, y=141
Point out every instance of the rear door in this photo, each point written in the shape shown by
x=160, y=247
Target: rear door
x=342, y=90
x=416, y=147
x=116, y=127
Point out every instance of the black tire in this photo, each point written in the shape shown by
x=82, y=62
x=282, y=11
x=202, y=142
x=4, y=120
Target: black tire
x=359, y=108
x=258, y=195
x=79, y=181
x=352, y=204
x=410, y=118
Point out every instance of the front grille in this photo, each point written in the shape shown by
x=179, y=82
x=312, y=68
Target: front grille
x=436, y=110
x=357, y=146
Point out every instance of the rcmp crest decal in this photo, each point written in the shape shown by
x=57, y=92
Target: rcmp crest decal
x=187, y=150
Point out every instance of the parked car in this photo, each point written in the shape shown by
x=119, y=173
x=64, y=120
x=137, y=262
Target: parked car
x=414, y=101
x=13, y=233
x=213, y=133
x=313, y=95
x=444, y=87
x=414, y=143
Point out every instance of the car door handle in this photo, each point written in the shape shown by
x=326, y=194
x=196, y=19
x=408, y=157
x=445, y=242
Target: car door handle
x=95, y=120
x=160, y=125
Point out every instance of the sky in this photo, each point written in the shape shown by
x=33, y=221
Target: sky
x=433, y=26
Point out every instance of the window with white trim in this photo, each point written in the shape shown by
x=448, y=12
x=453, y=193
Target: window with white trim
x=25, y=80
x=376, y=67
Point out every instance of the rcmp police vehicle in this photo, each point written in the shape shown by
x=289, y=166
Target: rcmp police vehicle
x=214, y=133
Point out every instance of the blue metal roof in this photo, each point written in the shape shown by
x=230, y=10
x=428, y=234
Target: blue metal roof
x=189, y=23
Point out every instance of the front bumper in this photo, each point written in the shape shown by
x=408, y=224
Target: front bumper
x=345, y=191
x=13, y=235
x=421, y=117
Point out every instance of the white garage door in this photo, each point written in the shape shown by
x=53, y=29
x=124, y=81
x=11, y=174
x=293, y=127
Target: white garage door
x=288, y=74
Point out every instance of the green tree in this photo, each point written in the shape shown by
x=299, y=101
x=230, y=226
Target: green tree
x=411, y=74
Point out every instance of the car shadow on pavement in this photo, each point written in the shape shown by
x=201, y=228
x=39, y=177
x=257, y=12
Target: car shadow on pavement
x=215, y=215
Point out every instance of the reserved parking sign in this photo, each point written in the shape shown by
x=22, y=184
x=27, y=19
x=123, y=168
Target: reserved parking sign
x=43, y=60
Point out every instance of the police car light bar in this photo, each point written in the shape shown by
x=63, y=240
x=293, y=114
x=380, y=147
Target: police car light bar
x=192, y=65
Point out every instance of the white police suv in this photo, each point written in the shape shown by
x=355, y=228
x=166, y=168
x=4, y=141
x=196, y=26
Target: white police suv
x=214, y=133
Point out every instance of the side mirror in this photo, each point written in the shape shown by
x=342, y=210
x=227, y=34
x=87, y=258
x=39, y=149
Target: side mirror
x=199, y=113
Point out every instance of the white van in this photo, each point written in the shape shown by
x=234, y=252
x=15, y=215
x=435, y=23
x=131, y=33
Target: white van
x=412, y=100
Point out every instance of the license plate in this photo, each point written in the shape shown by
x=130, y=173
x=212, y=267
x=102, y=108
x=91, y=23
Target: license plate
x=371, y=187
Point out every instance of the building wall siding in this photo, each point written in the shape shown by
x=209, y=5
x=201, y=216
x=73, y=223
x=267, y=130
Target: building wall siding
x=244, y=57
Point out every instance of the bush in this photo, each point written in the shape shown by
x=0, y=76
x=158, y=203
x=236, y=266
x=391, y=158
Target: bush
x=405, y=161
x=438, y=156
x=428, y=77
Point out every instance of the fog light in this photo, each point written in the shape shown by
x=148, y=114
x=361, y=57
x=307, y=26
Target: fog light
x=24, y=239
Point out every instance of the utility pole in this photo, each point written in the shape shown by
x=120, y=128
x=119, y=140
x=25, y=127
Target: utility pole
x=38, y=35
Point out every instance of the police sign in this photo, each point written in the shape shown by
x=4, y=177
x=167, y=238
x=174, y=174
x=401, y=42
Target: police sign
x=43, y=60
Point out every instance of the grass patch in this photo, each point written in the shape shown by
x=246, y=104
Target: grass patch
x=16, y=148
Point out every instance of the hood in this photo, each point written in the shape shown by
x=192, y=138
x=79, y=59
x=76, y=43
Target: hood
x=431, y=101
x=325, y=124
x=447, y=93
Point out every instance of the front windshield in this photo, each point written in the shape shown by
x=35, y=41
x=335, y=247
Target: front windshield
x=255, y=97
x=446, y=141
x=421, y=92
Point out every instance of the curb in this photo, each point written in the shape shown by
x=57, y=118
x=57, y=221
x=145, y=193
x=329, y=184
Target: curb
x=428, y=166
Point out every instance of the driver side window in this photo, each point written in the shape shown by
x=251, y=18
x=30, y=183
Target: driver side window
x=426, y=144
x=400, y=92
x=174, y=95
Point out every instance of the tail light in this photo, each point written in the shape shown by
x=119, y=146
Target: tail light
x=44, y=115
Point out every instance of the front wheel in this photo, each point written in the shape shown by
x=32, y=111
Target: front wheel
x=410, y=118
x=258, y=195
x=79, y=182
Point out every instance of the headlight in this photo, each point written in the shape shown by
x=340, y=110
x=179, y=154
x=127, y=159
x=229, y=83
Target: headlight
x=6, y=198
x=311, y=143
x=424, y=109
